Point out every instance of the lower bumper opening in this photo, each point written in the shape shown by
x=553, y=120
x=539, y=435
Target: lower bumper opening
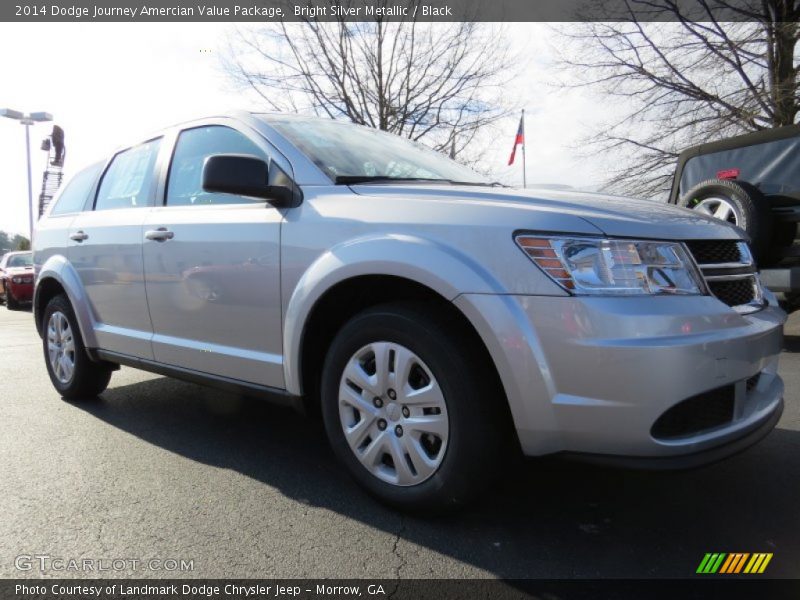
x=697, y=414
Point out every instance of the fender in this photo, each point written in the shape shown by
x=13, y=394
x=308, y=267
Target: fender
x=431, y=263
x=57, y=267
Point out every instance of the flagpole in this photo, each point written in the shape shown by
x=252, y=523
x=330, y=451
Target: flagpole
x=524, y=164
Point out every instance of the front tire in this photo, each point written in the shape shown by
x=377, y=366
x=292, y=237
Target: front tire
x=11, y=302
x=74, y=375
x=411, y=409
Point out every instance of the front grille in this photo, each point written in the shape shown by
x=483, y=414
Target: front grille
x=752, y=382
x=699, y=413
x=729, y=272
x=734, y=292
x=715, y=252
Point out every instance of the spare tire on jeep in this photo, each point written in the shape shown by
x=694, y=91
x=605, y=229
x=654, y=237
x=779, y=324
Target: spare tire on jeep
x=739, y=203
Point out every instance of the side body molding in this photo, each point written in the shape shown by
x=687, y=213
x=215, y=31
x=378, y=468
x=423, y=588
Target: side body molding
x=431, y=263
x=58, y=268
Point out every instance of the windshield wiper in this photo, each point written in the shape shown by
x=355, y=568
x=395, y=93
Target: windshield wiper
x=351, y=179
x=480, y=183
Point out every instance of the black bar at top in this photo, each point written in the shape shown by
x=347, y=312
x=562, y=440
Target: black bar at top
x=148, y=11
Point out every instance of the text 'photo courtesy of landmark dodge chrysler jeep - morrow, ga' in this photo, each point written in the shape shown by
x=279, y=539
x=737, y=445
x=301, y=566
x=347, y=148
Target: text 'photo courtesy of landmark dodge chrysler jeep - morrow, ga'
x=439, y=323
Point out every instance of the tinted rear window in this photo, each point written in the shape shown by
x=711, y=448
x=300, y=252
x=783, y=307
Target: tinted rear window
x=73, y=197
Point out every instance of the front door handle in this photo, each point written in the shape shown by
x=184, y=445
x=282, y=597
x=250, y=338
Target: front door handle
x=162, y=234
x=79, y=236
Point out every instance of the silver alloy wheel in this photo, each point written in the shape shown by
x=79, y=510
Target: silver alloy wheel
x=719, y=208
x=393, y=413
x=61, y=347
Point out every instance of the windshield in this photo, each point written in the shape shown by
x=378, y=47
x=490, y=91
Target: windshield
x=350, y=153
x=20, y=260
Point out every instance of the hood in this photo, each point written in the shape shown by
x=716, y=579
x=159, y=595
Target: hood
x=615, y=216
x=19, y=270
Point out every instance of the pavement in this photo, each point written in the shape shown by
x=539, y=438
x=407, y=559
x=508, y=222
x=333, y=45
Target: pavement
x=161, y=469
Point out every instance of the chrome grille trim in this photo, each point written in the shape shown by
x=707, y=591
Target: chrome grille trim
x=731, y=265
x=732, y=277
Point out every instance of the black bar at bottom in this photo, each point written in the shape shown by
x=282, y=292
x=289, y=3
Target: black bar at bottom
x=702, y=587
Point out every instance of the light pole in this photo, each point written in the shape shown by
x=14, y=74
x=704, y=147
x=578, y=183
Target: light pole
x=27, y=119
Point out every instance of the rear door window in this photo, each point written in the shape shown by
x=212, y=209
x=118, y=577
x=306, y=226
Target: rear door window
x=128, y=181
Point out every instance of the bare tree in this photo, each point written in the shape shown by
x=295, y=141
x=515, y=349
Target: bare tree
x=434, y=83
x=697, y=78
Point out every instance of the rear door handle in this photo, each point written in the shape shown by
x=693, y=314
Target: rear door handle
x=162, y=234
x=79, y=236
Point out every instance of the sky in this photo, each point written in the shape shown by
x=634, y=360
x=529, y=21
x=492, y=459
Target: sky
x=108, y=83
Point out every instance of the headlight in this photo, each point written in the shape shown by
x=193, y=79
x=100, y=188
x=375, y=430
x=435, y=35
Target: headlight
x=16, y=279
x=614, y=267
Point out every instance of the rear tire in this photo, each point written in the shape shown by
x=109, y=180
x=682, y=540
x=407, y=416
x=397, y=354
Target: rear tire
x=791, y=303
x=750, y=210
x=74, y=375
x=453, y=434
x=783, y=232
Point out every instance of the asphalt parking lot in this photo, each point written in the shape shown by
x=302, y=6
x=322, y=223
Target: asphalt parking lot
x=157, y=468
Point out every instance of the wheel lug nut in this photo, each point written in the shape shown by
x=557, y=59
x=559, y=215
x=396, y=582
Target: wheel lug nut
x=381, y=424
x=392, y=394
x=406, y=412
x=398, y=431
x=377, y=402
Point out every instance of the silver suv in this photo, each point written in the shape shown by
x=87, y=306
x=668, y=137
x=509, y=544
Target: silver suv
x=439, y=322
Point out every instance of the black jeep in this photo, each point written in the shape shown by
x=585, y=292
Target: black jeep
x=752, y=181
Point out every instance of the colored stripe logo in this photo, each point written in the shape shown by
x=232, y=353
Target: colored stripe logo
x=734, y=563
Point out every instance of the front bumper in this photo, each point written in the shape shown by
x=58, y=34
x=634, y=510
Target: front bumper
x=593, y=375
x=687, y=461
x=21, y=292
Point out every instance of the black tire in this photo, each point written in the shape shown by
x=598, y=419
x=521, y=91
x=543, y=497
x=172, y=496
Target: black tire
x=791, y=302
x=783, y=232
x=751, y=208
x=11, y=302
x=88, y=378
x=479, y=432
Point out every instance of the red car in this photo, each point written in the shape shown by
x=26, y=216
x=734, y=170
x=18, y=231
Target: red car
x=16, y=279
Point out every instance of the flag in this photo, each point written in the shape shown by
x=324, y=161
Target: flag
x=520, y=139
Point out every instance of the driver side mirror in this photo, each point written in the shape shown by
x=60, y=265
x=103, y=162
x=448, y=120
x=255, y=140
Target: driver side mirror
x=244, y=176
